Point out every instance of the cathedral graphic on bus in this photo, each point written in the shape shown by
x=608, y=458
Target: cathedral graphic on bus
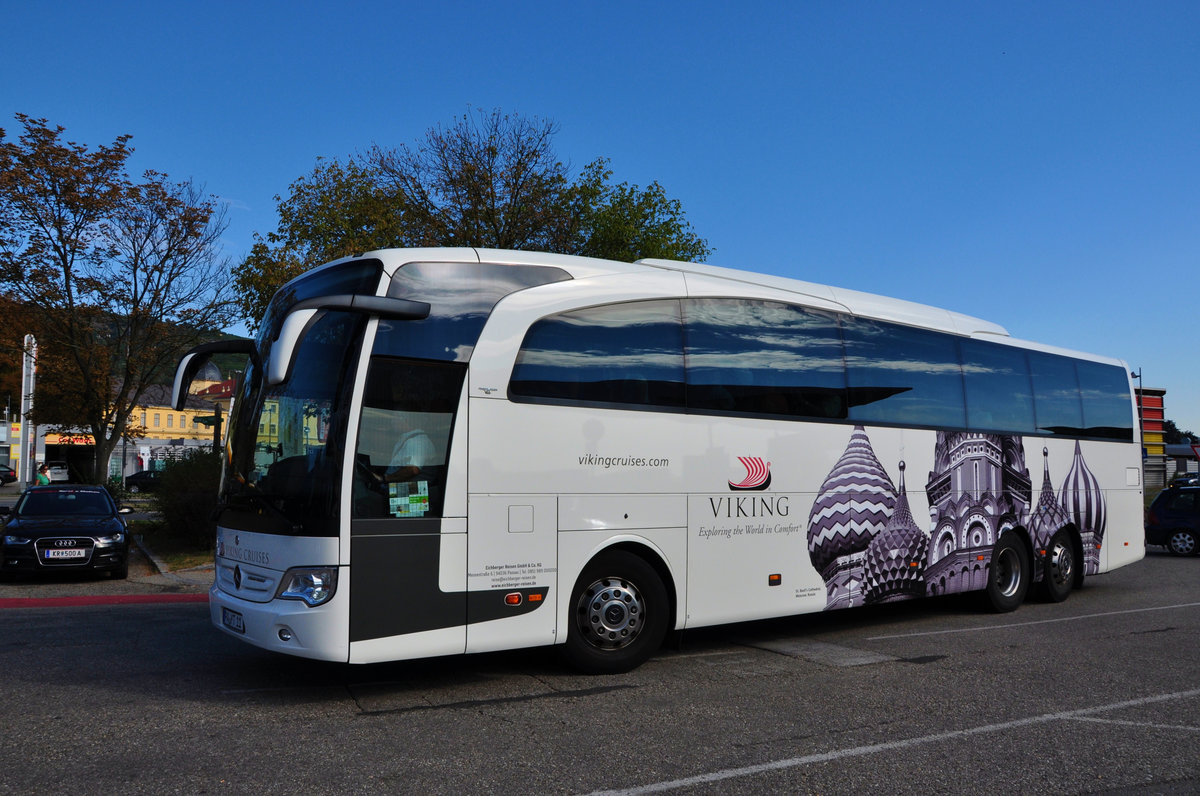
x=868, y=548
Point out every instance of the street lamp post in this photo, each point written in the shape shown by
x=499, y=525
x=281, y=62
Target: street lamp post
x=1141, y=397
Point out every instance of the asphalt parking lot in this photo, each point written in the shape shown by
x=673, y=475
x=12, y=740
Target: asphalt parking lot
x=1095, y=695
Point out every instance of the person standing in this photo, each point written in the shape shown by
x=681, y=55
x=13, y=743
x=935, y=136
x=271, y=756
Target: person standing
x=43, y=475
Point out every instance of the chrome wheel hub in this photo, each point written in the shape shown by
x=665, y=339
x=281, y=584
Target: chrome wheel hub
x=1062, y=564
x=1006, y=572
x=610, y=613
x=1183, y=543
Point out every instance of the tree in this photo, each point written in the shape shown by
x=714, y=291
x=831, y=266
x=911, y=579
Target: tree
x=487, y=180
x=338, y=210
x=1173, y=435
x=623, y=222
x=115, y=277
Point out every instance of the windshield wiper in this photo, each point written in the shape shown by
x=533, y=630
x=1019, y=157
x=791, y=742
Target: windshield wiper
x=294, y=527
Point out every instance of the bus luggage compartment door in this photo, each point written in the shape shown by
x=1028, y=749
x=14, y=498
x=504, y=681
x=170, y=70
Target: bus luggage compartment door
x=512, y=550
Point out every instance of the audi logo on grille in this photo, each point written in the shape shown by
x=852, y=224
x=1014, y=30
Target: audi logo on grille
x=64, y=542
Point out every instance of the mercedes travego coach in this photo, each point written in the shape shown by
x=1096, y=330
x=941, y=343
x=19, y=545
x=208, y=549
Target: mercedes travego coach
x=438, y=451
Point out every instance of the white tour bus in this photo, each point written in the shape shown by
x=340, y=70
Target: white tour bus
x=438, y=451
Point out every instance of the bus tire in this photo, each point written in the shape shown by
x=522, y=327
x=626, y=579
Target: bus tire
x=1058, y=570
x=1008, y=574
x=618, y=614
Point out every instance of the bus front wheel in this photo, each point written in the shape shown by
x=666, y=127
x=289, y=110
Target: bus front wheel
x=1008, y=574
x=618, y=614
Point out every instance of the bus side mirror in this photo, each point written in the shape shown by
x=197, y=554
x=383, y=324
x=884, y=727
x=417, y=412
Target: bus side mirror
x=283, y=350
x=304, y=314
x=196, y=358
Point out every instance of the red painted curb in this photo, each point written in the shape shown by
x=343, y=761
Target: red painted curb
x=115, y=599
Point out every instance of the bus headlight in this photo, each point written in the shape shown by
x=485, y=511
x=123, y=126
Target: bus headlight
x=314, y=585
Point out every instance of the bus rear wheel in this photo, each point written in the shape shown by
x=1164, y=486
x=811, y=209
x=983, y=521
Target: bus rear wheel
x=1058, y=570
x=618, y=614
x=1008, y=574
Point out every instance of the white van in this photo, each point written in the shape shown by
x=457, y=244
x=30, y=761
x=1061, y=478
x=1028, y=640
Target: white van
x=58, y=471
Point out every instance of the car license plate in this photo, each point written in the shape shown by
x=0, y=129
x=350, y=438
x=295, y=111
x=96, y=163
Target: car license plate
x=70, y=552
x=233, y=620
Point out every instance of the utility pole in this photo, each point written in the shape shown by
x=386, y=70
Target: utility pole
x=28, y=470
x=1141, y=424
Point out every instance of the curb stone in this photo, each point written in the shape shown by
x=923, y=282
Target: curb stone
x=160, y=565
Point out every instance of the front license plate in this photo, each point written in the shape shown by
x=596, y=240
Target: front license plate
x=233, y=620
x=67, y=553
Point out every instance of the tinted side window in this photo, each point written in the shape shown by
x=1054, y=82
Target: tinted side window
x=461, y=297
x=1183, y=503
x=897, y=374
x=999, y=393
x=763, y=358
x=1056, y=391
x=404, y=438
x=618, y=354
x=1107, y=406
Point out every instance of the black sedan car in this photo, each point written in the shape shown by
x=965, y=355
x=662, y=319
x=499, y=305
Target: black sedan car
x=1174, y=520
x=145, y=481
x=7, y=474
x=63, y=528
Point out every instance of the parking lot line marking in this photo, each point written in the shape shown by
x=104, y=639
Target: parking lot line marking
x=859, y=751
x=1031, y=624
x=1147, y=724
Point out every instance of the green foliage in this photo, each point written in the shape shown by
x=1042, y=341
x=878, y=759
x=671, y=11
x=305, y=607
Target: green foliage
x=627, y=223
x=116, y=488
x=487, y=180
x=186, y=497
x=338, y=210
x=1173, y=435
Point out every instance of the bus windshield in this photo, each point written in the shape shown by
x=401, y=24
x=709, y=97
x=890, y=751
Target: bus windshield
x=286, y=441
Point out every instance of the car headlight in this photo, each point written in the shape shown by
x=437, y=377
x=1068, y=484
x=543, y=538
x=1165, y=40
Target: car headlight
x=111, y=539
x=314, y=585
x=16, y=540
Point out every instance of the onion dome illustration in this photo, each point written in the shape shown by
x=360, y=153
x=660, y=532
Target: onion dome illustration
x=1048, y=516
x=852, y=505
x=895, y=560
x=1083, y=499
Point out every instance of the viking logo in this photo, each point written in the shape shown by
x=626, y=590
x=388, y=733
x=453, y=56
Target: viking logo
x=758, y=474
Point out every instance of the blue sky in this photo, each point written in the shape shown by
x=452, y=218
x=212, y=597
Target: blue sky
x=1033, y=163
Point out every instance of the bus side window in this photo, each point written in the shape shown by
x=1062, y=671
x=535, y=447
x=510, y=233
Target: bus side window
x=999, y=391
x=766, y=358
x=628, y=354
x=404, y=437
x=1107, y=407
x=1056, y=391
x=903, y=375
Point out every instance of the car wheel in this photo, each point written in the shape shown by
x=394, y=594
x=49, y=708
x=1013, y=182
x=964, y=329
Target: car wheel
x=1182, y=543
x=133, y=490
x=1008, y=574
x=618, y=614
x=1058, y=568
